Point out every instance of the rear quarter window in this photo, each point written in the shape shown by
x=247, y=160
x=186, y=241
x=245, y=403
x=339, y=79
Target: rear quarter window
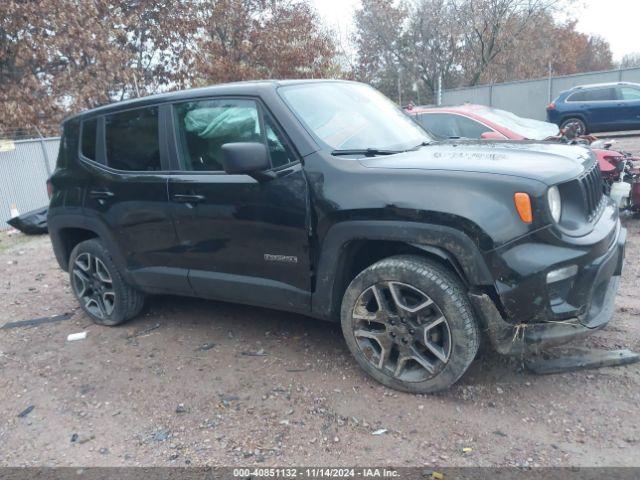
x=68, y=143
x=88, y=147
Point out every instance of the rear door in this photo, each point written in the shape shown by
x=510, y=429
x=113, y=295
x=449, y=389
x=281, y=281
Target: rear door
x=126, y=193
x=629, y=104
x=241, y=240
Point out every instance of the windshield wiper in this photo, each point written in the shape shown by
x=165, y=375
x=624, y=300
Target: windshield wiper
x=421, y=144
x=367, y=152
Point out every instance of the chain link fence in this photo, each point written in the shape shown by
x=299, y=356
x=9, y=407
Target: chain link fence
x=25, y=166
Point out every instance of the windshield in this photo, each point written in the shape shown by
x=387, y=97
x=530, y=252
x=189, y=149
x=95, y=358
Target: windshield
x=352, y=116
x=526, y=127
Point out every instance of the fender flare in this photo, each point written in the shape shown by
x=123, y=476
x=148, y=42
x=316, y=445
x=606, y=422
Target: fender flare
x=56, y=223
x=579, y=116
x=446, y=242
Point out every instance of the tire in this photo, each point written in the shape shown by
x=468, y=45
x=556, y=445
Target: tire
x=390, y=343
x=99, y=287
x=582, y=127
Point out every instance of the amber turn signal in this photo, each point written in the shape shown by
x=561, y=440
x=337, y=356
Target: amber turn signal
x=523, y=206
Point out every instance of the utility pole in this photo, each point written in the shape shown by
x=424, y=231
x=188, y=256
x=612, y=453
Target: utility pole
x=399, y=86
x=550, y=83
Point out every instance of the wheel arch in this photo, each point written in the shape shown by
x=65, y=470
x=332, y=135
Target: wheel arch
x=350, y=247
x=579, y=115
x=67, y=231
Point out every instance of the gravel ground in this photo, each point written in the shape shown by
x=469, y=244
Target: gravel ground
x=194, y=382
x=627, y=143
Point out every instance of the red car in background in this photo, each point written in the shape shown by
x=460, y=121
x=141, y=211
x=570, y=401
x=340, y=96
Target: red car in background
x=481, y=122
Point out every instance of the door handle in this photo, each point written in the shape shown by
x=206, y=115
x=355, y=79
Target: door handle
x=102, y=194
x=190, y=198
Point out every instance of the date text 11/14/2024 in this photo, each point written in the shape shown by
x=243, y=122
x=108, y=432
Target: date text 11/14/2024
x=311, y=472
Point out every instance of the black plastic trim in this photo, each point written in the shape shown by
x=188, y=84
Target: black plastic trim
x=451, y=242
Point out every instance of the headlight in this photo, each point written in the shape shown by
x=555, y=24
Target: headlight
x=555, y=203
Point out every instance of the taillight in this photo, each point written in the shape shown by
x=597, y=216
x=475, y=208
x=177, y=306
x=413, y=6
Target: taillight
x=551, y=106
x=49, y=189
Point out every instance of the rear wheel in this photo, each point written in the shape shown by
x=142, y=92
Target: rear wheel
x=99, y=287
x=576, y=124
x=409, y=324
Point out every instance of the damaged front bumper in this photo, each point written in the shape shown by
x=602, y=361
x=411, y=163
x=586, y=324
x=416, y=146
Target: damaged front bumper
x=582, y=305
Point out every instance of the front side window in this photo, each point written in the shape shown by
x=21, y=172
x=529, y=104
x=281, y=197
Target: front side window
x=203, y=126
x=89, y=138
x=352, y=116
x=629, y=93
x=132, y=140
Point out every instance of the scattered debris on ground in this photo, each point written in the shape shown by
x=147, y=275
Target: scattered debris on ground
x=36, y=321
x=26, y=411
x=174, y=388
x=72, y=337
x=587, y=359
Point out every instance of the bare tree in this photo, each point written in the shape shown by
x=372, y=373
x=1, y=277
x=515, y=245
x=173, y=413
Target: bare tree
x=432, y=44
x=630, y=60
x=490, y=27
x=468, y=42
x=379, y=26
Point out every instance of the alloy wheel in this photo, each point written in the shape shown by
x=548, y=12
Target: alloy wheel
x=93, y=285
x=401, y=331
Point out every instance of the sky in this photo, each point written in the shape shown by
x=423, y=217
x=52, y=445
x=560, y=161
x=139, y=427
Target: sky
x=617, y=21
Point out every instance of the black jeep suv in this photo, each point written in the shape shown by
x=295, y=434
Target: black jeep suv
x=322, y=197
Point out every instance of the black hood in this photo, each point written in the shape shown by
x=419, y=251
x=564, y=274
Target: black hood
x=550, y=163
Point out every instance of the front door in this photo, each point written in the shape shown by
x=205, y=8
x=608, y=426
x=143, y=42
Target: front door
x=241, y=239
x=629, y=105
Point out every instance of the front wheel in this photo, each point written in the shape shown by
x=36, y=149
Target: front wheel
x=99, y=287
x=409, y=324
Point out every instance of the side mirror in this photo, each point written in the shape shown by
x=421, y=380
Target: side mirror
x=250, y=158
x=492, y=136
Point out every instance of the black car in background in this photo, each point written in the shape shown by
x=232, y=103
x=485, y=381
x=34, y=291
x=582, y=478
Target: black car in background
x=324, y=198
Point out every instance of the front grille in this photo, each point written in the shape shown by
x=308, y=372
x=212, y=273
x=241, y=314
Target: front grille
x=592, y=190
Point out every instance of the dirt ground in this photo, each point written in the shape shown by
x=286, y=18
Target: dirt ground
x=194, y=382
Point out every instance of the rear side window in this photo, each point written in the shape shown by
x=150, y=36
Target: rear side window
x=89, y=138
x=593, y=95
x=132, y=142
x=204, y=126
